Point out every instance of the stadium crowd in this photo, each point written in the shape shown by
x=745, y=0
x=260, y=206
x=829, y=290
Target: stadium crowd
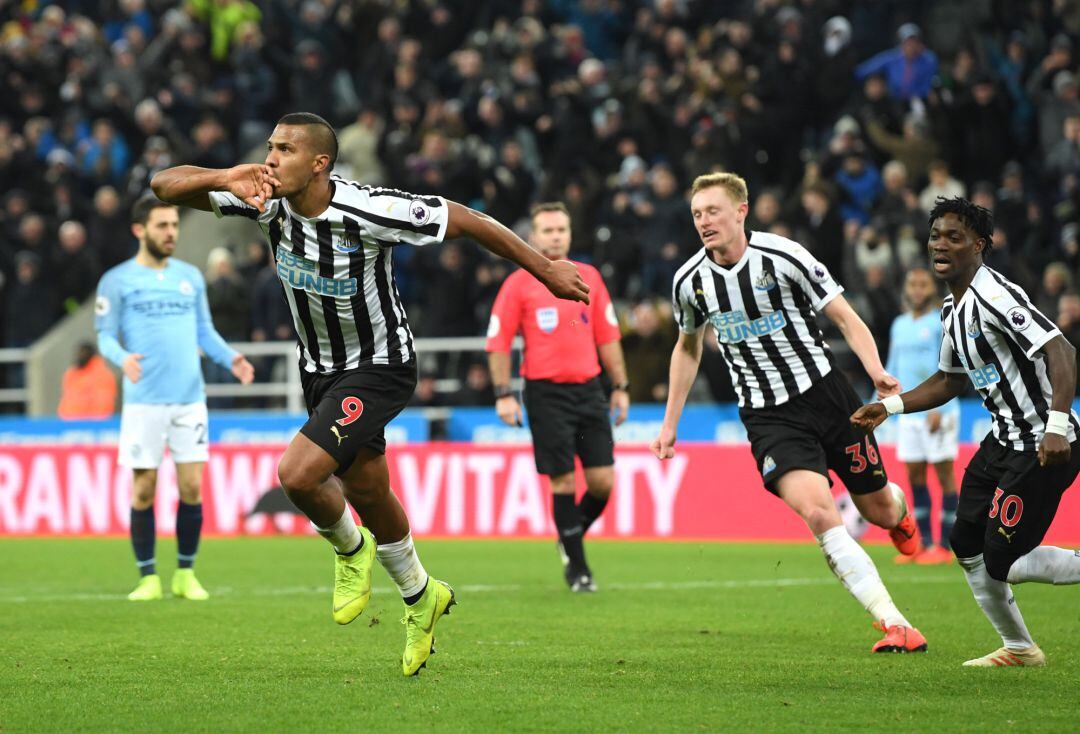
x=846, y=118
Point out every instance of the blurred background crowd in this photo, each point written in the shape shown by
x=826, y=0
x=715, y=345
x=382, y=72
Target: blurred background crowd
x=846, y=118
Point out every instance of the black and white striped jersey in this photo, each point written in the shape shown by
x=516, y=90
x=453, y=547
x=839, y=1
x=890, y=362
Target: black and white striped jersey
x=994, y=334
x=763, y=310
x=337, y=269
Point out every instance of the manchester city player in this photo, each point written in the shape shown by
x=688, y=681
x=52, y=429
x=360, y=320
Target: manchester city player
x=930, y=438
x=152, y=320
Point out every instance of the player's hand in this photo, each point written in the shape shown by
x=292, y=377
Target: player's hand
x=886, y=385
x=253, y=184
x=242, y=370
x=131, y=367
x=509, y=410
x=869, y=416
x=620, y=405
x=1054, y=450
x=564, y=280
x=933, y=421
x=663, y=446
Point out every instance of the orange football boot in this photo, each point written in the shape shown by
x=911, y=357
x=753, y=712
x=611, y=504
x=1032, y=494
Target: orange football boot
x=899, y=639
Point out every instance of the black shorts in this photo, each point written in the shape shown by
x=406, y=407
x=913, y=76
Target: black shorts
x=348, y=411
x=1014, y=499
x=568, y=419
x=813, y=431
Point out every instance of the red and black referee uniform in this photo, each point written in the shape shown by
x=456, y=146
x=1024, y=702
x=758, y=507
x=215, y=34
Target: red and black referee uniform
x=568, y=413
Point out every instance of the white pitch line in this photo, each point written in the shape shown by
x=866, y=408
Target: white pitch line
x=228, y=591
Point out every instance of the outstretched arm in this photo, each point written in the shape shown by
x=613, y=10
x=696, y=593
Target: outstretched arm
x=252, y=183
x=938, y=389
x=1061, y=369
x=560, y=277
x=861, y=341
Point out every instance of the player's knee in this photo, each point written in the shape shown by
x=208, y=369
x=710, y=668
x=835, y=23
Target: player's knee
x=294, y=476
x=600, y=483
x=998, y=563
x=190, y=494
x=143, y=489
x=819, y=518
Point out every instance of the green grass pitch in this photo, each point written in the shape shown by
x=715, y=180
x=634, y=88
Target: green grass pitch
x=682, y=637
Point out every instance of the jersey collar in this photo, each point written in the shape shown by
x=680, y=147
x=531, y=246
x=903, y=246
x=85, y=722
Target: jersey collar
x=734, y=269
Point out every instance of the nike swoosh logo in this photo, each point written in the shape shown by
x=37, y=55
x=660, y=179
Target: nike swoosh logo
x=342, y=606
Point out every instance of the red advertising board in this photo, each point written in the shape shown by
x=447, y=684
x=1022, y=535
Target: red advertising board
x=707, y=491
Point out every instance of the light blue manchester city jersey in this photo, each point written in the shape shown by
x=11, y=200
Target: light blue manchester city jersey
x=164, y=316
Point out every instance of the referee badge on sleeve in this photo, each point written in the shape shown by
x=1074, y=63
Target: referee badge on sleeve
x=101, y=306
x=547, y=319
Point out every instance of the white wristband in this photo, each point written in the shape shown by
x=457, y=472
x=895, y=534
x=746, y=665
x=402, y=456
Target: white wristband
x=893, y=405
x=1058, y=422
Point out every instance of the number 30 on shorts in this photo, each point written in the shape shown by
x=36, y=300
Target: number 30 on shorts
x=858, y=461
x=353, y=408
x=1010, y=509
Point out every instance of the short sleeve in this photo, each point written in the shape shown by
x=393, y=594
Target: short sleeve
x=814, y=279
x=948, y=359
x=689, y=307
x=1018, y=319
x=604, y=319
x=108, y=304
x=397, y=217
x=225, y=204
x=505, y=318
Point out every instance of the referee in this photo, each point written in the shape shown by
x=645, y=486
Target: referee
x=565, y=344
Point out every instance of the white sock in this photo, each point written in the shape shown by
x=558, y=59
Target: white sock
x=343, y=535
x=1047, y=564
x=996, y=600
x=901, y=499
x=401, y=562
x=859, y=576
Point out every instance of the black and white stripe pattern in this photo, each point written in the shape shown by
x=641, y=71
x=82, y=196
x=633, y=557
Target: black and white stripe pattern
x=763, y=310
x=337, y=270
x=994, y=334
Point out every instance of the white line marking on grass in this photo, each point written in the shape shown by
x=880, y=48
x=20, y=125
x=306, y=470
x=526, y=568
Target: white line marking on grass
x=228, y=591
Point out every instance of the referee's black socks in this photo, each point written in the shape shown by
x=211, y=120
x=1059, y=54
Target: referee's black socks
x=571, y=526
x=591, y=507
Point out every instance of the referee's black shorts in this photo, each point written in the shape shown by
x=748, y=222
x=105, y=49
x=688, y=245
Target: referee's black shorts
x=348, y=411
x=813, y=431
x=568, y=419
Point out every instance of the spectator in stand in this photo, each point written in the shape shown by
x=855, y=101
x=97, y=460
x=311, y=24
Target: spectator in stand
x=664, y=234
x=477, y=389
x=30, y=308
x=909, y=67
x=647, y=347
x=1057, y=281
x=941, y=185
x=228, y=295
x=89, y=389
x=1064, y=158
x=1068, y=319
x=819, y=226
x=108, y=231
x=74, y=266
x=915, y=149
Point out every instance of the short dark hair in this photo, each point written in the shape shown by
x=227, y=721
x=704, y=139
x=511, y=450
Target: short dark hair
x=548, y=206
x=325, y=139
x=978, y=219
x=140, y=210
